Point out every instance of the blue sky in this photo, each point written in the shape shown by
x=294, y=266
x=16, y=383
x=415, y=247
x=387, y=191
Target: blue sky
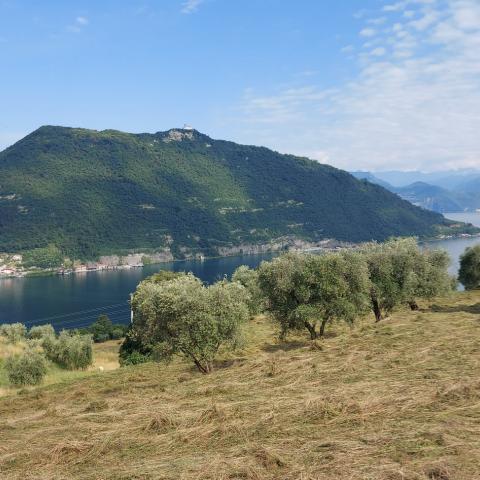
x=371, y=84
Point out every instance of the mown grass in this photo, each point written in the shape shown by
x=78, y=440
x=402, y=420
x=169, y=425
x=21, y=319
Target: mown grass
x=399, y=400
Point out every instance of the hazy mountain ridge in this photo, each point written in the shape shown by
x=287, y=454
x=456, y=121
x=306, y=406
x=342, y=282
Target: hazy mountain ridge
x=98, y=192
x=440, y=192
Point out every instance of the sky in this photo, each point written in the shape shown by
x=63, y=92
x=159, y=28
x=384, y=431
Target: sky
x=359, y=84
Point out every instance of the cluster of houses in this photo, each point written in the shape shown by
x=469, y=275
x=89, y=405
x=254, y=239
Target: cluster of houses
x=9, y=266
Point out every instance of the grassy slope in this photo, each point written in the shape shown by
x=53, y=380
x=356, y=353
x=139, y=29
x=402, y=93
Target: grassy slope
x=400, y=400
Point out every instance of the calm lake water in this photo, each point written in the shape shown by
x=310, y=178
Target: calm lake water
x=77, y=300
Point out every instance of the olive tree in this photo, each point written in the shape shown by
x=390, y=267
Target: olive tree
x=183, y=317
x=429, y=277
x=248, y=277
x=72, y=351
x=13, y=332
x=27, y=368
x=39, y=332
x=469, y=274
x=309, y=291
x=400, y=272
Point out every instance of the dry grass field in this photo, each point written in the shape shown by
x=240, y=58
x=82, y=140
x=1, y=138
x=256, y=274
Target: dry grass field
x=105, y=357
x=399, y=400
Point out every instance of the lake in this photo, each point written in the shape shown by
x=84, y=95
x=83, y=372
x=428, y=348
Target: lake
x=77, y=300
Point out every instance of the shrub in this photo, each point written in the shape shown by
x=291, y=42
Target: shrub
x=13, y=332
x=117, y=332
x=469, y=273
x=132, y=350
x=73, y=352
x=29, y=368
x=103, y=330
x=134, y=358
x=41, y=331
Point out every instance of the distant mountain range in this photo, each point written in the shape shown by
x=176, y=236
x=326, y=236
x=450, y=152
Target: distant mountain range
x=455, y=191
x=98, y=192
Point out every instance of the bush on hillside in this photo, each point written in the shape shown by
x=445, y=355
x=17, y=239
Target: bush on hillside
x=133, y=351
x=70, y=351
x=469, y=273
x=13, y=332
x=41, y=331
x=28, y=368
x=103, y=329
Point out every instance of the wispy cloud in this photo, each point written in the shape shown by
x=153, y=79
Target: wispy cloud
x=415, y=102
x=191, y=6
x=78, y=24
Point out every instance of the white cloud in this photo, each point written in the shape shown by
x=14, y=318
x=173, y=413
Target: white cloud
x=367, y=32
x=377, y=21
x=416, y=108
x=191, y=6
x=78, y=25
x=378, y=52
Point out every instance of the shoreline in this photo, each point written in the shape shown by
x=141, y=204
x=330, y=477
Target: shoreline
x=326, y=245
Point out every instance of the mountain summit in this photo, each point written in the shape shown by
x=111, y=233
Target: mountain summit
x=96, y=192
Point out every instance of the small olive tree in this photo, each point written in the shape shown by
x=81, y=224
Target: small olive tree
x=70, y=350
x=183, y=317
x=429, y=277
x=13, y=332
x=27, y=368
x=39, y=332
x=400, y=272
x=469, y=274
x=309, y=291
x=248, y=277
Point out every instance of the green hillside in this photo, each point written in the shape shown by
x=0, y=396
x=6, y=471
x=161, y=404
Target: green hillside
x=96, y=192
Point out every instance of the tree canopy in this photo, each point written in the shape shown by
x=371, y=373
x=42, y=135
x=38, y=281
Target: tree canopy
x=183, y=317
x=308, y=291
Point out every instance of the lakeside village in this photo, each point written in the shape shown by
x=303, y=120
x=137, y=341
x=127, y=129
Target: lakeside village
x=14, y=265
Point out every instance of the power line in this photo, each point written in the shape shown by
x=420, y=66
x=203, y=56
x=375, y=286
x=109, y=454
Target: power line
x=122, y=320
x=80, y=312
x=90, y=317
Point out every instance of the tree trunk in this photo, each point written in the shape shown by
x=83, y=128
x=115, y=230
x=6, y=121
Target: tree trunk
x=376, y=309
x=311, y=329
x=413, y=305
x=201, y=367
x=322, y=326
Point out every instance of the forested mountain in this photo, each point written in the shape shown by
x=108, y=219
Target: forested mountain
x=95, y=192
